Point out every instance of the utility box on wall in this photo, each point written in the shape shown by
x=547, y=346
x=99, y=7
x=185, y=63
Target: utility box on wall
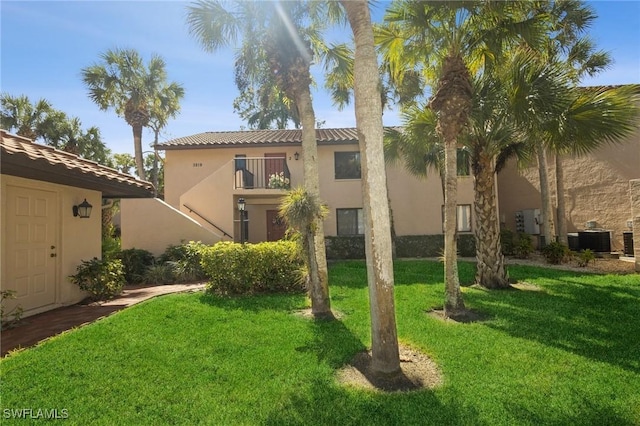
x=528, y=221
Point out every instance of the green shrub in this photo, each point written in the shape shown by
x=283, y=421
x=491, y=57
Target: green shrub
x=585, y=257
x=104, y=279
x=135, y=263
x=110, y=243
x=523, y=246
x=508, y=242
x=252, y=268
x=185, y=260
x=556, y=253
x=160, y=273
x=10, y=318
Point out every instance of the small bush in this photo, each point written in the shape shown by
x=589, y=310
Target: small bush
x=253, y=268
x=104, y=279
x=556, y=253
x=160, y=273
x=523, y=246
x=185, y=260
x=10, y=318
x=508, y=242
x=135, y=263
x=585, y=257
x=110, y=243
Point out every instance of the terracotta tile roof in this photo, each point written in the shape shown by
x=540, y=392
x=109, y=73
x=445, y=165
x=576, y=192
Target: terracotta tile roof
x=260, y=137
x=21, y=157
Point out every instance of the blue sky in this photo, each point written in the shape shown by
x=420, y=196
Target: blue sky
x=45, y=44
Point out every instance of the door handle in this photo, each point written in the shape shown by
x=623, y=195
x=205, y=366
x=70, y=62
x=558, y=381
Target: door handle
x=53, y=255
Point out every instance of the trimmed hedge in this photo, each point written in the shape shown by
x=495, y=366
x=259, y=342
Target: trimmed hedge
x=352, y=247
x=267, y=267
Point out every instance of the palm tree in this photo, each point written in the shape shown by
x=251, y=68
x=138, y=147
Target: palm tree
x=53, y=127
x=165, y=106
x=493, y=138
x=122, y=81
x=447, y=42
x=594, y=116
x=490, y=139
x=274, y=36
x=570, y=46
x=302, y=212
x=368, y=107
x=20, y=115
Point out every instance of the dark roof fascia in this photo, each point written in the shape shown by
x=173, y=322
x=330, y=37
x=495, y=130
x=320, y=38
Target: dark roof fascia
x=22, y=157
x=250, y=145
x=44, y=171
x=226, y=145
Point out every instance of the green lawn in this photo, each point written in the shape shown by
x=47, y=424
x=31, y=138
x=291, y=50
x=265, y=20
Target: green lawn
x=567, y=354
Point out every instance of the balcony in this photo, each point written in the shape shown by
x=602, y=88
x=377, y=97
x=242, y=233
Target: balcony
x=261, y=173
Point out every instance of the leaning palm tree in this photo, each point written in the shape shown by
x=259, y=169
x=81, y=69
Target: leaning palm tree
x=122, y=81
x=368, y=108
x=278, y=37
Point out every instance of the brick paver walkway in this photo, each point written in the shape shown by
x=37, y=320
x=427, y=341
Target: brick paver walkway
x=34, y=329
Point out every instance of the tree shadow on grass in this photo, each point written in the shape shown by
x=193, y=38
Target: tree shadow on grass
x=595, y=321
x=323, y=401
x=257, y=302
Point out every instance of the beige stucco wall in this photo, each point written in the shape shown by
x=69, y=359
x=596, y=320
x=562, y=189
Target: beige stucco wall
x=153, y=225
x=634, y=190
x=75, y=239
x=204, y=180
x=596, y=188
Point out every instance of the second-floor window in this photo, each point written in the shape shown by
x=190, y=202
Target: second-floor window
x=350, y=221
x=347, y=165
x=464, y=163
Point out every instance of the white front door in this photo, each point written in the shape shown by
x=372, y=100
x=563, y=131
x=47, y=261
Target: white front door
x=31, y=246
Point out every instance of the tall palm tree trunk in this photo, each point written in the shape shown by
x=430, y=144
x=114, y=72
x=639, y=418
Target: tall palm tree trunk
x=452, y=296
x=318, y=274
x=368, y=107
x=548, y=227
x=490, y=270
x=452, y=104
x=137, y=146
x=563, y=237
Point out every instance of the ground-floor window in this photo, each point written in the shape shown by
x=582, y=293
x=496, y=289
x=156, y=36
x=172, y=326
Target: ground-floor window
x=350, y=221
x=463, y=218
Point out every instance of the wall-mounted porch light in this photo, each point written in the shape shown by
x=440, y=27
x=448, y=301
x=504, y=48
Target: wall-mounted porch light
x=296, y=156
x=83, y=210
x=241, y=208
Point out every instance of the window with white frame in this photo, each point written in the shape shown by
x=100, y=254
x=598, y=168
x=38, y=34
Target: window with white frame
x=463, y=218
x=350, y=221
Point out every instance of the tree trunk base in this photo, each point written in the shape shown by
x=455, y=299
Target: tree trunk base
x=323, y=315
x=493, y=282
x=417, y=371
x=462, y=315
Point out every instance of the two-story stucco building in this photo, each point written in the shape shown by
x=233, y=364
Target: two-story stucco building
x=207, y=173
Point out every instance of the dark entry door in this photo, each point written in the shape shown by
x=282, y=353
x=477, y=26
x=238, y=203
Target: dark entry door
x=275, y=226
